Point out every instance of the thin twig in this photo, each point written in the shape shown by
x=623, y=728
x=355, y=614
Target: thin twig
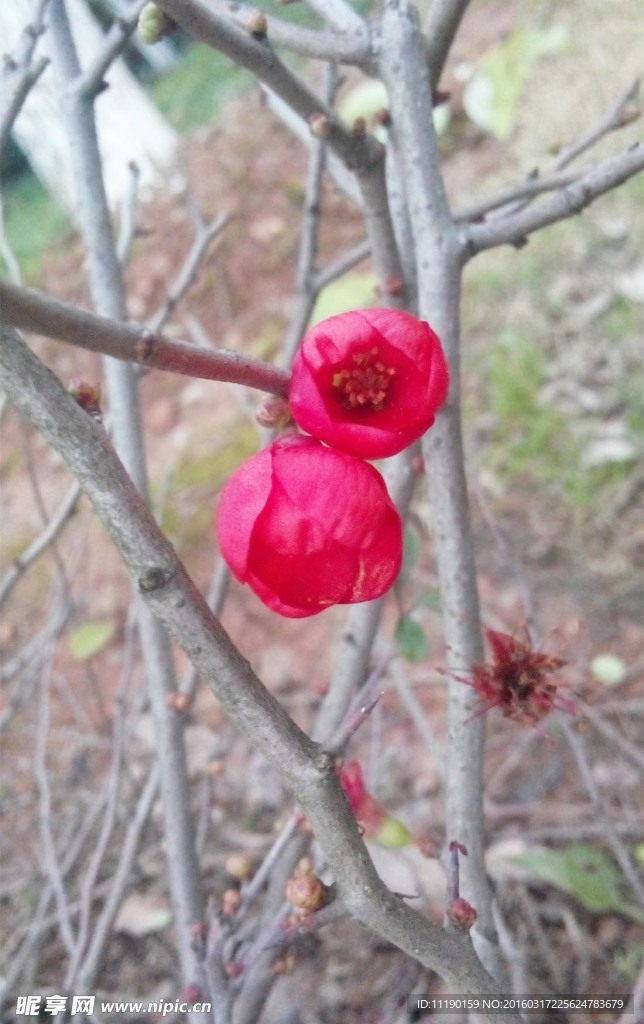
x=128, y=215
x=256, y=56
x=517, y=197
x=418, y=717
x=342, y=265
x=20, y=74
x=42, y=542
x=111, y=803
x=306, y=288
x=6, y=250
x=405, y=73
x=108, y=294
x=338, y=13
x=119, y=880
x=616, y=117
x=91, y=81
x=205, y=234
x=440, y=28
x=47, y=842
x=349, y=46
x=515, y=228
x=629, y=750
x=529, y=189
x=614, y=840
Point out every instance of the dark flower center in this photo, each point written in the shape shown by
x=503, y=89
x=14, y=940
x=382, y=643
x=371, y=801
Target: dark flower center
x=365, y=384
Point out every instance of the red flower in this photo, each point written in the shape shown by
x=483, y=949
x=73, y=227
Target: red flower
x=519, y=680
x=352, y=781
x=369, y=382
x=308, y=527
x=377, y=822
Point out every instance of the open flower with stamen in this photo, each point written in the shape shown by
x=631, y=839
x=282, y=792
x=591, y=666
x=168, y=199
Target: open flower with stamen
x=369, y=382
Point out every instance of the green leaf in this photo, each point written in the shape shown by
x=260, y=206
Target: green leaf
x=353, y=291
x=585, y=873
x=491, y=98
x=410, y=639
x=90, y=638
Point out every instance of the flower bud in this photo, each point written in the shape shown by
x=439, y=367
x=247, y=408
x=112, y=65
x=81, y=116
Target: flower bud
x=230, y=902
x=285, y=964
x=191, y=994
x=88, y=396
x=154, y=24
x=393, y=834
x=239, y=866
x=462, y=913
x=382, y=117
x=305, y=890
x=274, y=412
x=178, y=702
x=308, y=527
x=320, y=126
x=257, y=25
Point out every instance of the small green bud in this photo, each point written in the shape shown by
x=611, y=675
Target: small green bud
x=154, y=24
x=258, y=25
x=393, y=833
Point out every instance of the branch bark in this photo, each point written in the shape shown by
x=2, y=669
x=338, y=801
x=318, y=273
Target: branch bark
x=514, y=229
x=108, y=293
x=439, y=284
x=32, y=311
x=160, y=578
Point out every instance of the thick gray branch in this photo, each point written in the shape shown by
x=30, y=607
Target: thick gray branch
x=405, y=73
x=441, y=26
x=170, y=593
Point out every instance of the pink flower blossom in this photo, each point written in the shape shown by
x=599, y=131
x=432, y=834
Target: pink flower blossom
x=369, y=382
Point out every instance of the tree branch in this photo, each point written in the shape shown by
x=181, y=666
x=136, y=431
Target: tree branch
x=405, y=74
x=362, y=154
x=90, y=82
x=338, y=13
x=108, y=293
x=163, y=583
x=514, y=229
x=349, y=46
x=32, y=311
x=440, y=27
x=256, y=56
x=620, y=114
x=19, y=75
